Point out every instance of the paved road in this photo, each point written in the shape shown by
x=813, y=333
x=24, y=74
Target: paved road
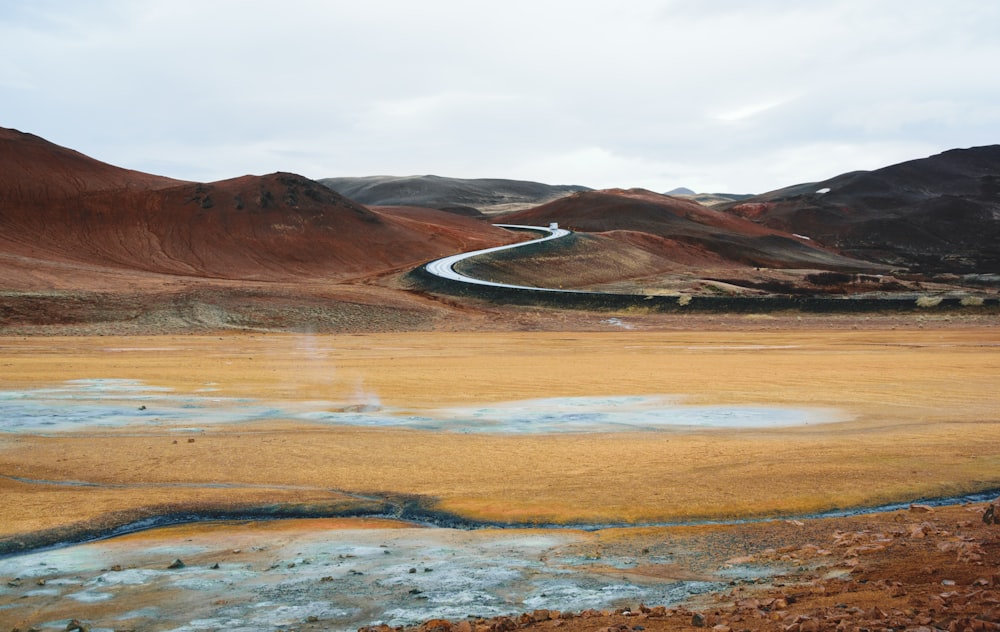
x=589, y=299
x=445, y=268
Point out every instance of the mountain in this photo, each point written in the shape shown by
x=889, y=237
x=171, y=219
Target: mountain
x=936, y=214
x=82, y=241
x=682, y=230
x=486, y=195
x=62, y=211
x=32, y=170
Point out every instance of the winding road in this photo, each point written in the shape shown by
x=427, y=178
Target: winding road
x=445, y=267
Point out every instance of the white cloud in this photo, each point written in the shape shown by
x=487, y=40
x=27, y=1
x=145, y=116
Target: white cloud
x=727, y=94
x=749, y=111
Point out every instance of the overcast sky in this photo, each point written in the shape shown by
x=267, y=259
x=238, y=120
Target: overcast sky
x=715, y=95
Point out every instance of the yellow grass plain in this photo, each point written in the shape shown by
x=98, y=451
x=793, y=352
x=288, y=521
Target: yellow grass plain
x=919, y=416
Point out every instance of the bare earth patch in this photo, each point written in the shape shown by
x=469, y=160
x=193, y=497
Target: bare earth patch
x=915, y=416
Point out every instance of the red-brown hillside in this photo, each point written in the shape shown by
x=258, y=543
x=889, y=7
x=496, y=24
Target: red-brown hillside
x=634, y=209
x=684, y=226
x=57, y=205
x=33, y=169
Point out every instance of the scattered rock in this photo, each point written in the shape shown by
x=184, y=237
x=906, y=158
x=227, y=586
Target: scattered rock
x=809, y=625
x=176, y=564
x=75, y=625
x=919, y=531
x=503, y=624
x=918, y=508
x=992, y=514
x=540, y=615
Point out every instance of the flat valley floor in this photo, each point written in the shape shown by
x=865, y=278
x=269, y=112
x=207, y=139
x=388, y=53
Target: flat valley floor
x=531, y=429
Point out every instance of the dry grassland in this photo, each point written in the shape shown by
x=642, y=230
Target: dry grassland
x=920, y=411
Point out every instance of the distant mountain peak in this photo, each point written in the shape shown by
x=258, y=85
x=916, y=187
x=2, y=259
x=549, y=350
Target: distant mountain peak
x=680, y=191
x=483, y=194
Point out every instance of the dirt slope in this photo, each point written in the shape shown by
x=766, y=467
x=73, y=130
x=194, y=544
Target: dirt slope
x=684, y=231
x=67, y=213
x=33, y=170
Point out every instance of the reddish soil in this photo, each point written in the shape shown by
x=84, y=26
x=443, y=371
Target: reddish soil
x=32, y=170
x=86, y=244
x=918, y=569
x=717, y=234
x=61, y=209
x=600, y=211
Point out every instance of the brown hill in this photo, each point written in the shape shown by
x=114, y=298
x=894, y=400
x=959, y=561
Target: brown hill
x=936, y=214
x=682, y=231
x=65, y=212
x=32, y=169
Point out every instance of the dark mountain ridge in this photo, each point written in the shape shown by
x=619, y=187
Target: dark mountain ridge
x=935, y=215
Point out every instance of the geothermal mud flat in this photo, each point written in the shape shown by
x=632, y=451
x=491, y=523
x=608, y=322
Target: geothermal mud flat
x=346, y=573
x=581, y=429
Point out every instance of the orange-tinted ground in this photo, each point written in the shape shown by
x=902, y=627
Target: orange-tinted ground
x=916, y=569
x=919, y=418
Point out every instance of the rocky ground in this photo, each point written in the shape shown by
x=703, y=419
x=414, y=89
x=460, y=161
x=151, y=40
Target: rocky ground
x=918, y=569
x=93, y=250
x=919, y=385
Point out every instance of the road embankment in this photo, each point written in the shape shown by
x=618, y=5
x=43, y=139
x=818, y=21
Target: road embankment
x=428, y=277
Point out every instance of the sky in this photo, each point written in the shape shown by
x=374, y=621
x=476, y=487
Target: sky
x=714, y=95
